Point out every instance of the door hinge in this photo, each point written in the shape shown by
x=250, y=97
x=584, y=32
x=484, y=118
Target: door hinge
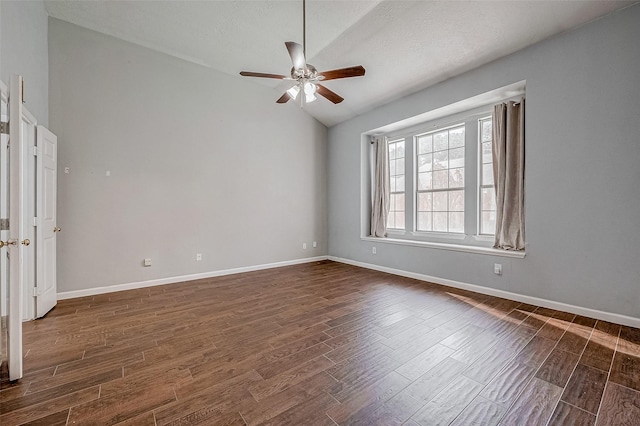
x=4, y=127
x=35, y=221
x=35, y=291
x=35, y=151
x=4, y=224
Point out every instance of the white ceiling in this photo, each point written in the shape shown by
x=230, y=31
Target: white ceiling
x=405, y=46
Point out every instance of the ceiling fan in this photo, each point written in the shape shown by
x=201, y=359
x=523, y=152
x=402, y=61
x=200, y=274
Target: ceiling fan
x=305, y=75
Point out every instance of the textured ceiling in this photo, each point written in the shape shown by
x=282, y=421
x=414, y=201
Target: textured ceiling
x=405, y=46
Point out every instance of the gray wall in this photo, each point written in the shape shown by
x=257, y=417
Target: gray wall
x=582, y=171
x=23, y=50
x=199, y=161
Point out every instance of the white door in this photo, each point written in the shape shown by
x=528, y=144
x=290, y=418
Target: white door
x=16, y=245
x=46, y=177
x=29, y=125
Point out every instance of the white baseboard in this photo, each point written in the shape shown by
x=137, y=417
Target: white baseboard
x=551, y=304
x=171, y=280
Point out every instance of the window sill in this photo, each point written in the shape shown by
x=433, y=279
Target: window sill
x=443, y=235
x=448, y=246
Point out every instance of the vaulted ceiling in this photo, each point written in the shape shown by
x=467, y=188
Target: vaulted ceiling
x=405, y=46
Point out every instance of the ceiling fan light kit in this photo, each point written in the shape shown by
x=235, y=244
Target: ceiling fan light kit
x=305, y=75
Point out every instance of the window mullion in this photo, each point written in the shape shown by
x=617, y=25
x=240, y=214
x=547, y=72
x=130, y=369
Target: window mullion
x=409, y=182
x=471, y=177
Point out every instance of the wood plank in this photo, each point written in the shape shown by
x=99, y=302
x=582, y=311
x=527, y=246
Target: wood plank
x=55, y=419
x=558, y=367
x=535, y=405
x=289, y=378
x=625, y=370
x=50, y=406
x=509, y=383
x=435, y=380
x=424, y=362
x=566, y=414
x=368, y=399
x=276, y=404
x=443, y=409
x=585, y=388
x=480, y=412
x=310, y=411
x=395, y=411
x=620, y=406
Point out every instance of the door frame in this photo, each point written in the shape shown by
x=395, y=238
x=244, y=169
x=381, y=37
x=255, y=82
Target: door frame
x=17, y=200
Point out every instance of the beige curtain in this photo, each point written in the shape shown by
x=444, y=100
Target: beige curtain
x=380, y=202
x=508, y=174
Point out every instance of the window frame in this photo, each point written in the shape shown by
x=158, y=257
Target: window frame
x=481, y=185
x=471, y=236
x=404, y=175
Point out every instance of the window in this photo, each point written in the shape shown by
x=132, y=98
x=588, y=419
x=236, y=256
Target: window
x=441, y=169
x=440, y=180
x=487, y=192
x=396, y=219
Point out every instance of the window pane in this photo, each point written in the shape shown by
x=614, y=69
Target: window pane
x=456, y=137
x=400, y=149
x=440, y=179
x=488, y=225
x=399, y=166
x=440, y=160
x=391, y=220
x=425, y=202
x=400, y=183
x=487, y=127
x=398, y=204
x=424, y=163
x=424, y=181
x=400, y=220
x=486, y=152
x=440, y=201
x=487, y=174
x=392, y=151
x=440, y=141
x=488, y=201
x=456, y=178
x=440, y=221
x=392, y=167
x=456, y=201
x=425, y=144
x=456, y=158
x=456, y=222
x=424, y=221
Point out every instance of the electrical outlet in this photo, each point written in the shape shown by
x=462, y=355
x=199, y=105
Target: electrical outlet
x=147, y=262
x=304, y=246
x=497, y=268
x=198, y=257
x=373, y=250
x=315, y=244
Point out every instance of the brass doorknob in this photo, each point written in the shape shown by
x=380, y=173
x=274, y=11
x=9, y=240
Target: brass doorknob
x=7, y=243
x=2, y=244
x=56, y=229
x=26, y=241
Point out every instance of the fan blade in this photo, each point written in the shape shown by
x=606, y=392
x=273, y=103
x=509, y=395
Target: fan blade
x=260, y=74
x=297, y=55
x=332, y=96
x=356, y=71
x=284, y=98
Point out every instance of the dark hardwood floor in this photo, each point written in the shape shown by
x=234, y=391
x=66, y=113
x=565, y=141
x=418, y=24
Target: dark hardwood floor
x=320, y=344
